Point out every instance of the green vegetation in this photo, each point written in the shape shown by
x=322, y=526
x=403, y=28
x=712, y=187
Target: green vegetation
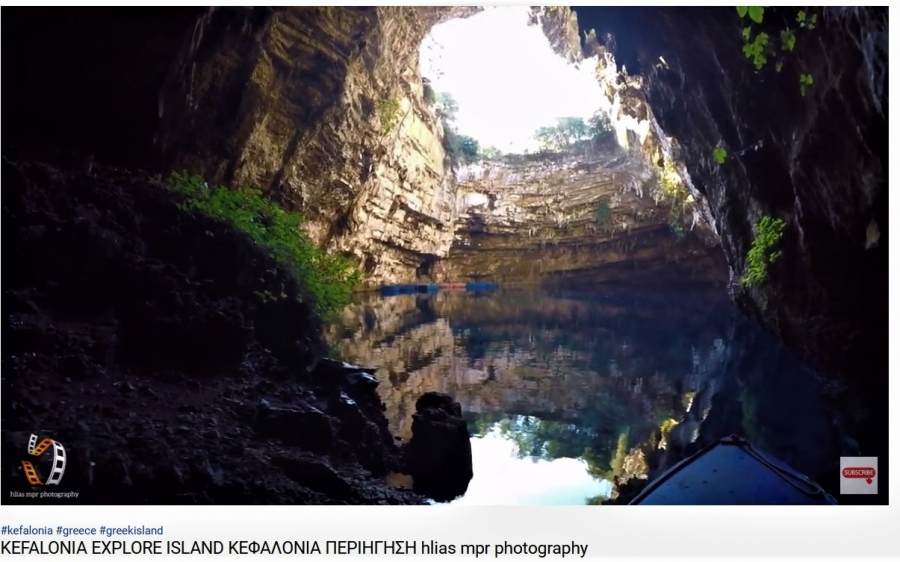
x=762, y=252
x=446, y=106
x=569, y=130
x=547, y=440
x=602, y=212
x=388, y=111
x=754, y=12
x=806, y=80
x=720, y=154
x=806, y=21
x=788, y=39
x=558, y=137
x=490, y=153
x=757, y=49
x=760, y=48
x=561, y=135
x=328, y=279
x=616, y=463
x=460, y=148
x=677, y=229
x=334, y=352
x=267, y=296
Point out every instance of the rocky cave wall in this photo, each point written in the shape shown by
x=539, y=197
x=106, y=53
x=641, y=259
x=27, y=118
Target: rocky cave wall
x=587, y=215
x=296, y=100
x=74, y=86
x=300, y=103
x=618, y=208
x=324, y=108
x=289, y=99
x=821, y=166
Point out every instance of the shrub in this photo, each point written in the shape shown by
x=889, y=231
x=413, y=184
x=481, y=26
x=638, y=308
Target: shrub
x=388, y=110
x=720, y=154
x=447, y=107
x=677, y=229
x=762, y=252
x=461, y=147
x=602, y=213
x=328, y=279
x=490, y=153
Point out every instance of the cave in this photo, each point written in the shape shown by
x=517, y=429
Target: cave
x=613, y=238
x=426, y=268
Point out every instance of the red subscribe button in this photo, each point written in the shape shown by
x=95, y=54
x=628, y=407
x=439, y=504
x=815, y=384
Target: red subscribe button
x=866, y=473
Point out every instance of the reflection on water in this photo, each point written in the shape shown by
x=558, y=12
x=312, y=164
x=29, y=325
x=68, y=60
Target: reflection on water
x=566, y=392
x=504, y=477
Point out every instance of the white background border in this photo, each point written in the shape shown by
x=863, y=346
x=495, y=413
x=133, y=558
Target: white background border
x=611, y=531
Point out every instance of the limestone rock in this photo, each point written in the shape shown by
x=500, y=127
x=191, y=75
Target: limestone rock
x=323, y=107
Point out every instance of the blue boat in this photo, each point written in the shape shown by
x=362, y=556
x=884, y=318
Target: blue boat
x=393, y=290
x=432, y=288
x=428, y=289
x=481, y=286
x=732, y=472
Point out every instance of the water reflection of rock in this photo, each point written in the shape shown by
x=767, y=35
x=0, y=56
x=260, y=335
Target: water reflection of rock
x=518, y=354
x=609, y=378
x=758, y=389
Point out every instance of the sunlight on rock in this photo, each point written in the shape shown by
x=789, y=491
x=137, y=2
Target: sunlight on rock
x=505, y=78
x=665, y=428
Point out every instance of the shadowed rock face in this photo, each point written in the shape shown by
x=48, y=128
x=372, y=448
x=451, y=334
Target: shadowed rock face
x=324, y=108
x=87, y=80
x=439, y=456
x=822, y=165
x=133, y=336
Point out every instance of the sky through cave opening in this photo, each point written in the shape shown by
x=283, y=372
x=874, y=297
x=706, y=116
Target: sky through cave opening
x=505, y=78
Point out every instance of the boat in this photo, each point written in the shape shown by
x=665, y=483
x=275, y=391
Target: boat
x=480, y=286
x=731, y=471
x=431, y=288
x=393, y=290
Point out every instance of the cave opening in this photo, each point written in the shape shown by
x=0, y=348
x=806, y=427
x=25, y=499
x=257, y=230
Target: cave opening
x=425, y=270
x=501, y=88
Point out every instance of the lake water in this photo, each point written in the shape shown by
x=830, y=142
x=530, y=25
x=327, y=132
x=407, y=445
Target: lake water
x=566, y=391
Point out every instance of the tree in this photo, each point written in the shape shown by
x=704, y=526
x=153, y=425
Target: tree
x=549, y=138
x=447, y=107
x=560, y=136
x=461, y=147
x=490, y=153
x=572, y=128
x=600, y=123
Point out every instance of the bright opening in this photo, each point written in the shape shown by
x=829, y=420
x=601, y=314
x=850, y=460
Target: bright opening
x=505, y=79
x=503, y=478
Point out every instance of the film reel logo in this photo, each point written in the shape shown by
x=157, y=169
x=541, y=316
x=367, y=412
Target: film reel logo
x=57, y=466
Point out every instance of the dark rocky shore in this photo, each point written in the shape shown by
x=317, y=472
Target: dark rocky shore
x=133, y=335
